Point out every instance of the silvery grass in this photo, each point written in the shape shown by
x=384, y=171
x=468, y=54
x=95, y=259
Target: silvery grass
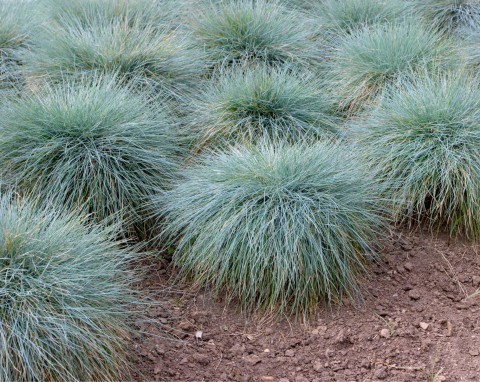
x=254, y=103
x=363, y=62
x=14, y=35
x=350, y=15
x=280, y=228
x=245, y=31
x=471, y=48
x=150, y=55
x=92, y=145
x=451, y=16
x=146, y=12
x=423, y=141
x=65, y=294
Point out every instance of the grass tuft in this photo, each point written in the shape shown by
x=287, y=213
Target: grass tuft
x=350, y=15
x=64, y=298
x=423, y=142
x=93, y=144
x=143, y=12
x=251, y=104
x=367, y=60
x=452, y=16
x=278, y=227
x=14, y=36
x=244, y=31
x=151, y=55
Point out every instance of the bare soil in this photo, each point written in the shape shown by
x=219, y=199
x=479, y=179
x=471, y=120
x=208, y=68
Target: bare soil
x=416, y=323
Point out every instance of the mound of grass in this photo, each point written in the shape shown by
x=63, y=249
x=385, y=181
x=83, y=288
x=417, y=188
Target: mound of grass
x=452, y=15
x=143, y=12
x=424, y=142
x=243, y=31
x=250, y=104
x=149, y=55
x=14, y=35
x=367, y=60
x=278, y=227
x=64, y=298
x=92, y=145
x=351, y=15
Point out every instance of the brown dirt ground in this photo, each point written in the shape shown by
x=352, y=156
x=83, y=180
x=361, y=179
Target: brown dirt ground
x=416, y=324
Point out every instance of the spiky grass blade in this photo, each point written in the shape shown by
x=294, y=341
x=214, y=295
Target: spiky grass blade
x=242, y=31
x=365, y=61
x=423, y=141
x=93, y=144
x=251, y=104
x=65, y=292
x=280, y=228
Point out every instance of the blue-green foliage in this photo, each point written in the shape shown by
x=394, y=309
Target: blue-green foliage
x=278, y=227
x=250, y=104
x=245, y=31
x=423, y=142
x=92, y=145
x=65, y=294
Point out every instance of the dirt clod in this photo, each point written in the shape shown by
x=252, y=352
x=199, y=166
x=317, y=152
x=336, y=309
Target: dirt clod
x=414, y=294
x=385, y=333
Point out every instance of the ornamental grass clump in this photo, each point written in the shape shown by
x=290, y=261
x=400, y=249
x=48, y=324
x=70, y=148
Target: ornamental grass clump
x=143, y=12
x=364, y=62
x=451, y=16
x=65, y=294
x=151, y=56
x=14, y=35
x=423, y=142
x=251, y=104
x=277, y=227
x=350, y=15
x=92, y=145
x=245, y=31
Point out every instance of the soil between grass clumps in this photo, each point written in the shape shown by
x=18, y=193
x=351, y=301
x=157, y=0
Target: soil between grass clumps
x=415, y=324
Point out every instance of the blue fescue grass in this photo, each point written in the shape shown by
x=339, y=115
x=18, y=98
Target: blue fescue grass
x=423, y=141
x=15, y=30
x=348, y=16
x=451, y=16
x=93, y=145
x=281, y=228
x=245, y=31
x=65, y=297
x=149, y=54
x=250, y=104
x=364, y=62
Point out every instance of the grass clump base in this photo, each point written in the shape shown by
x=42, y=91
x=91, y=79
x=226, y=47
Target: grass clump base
x=423, y=142
x=92, y=145
x=251, y=104
x=278, y=227
x=64, y=290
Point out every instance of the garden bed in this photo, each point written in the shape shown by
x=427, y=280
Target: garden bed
x=423, y=281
